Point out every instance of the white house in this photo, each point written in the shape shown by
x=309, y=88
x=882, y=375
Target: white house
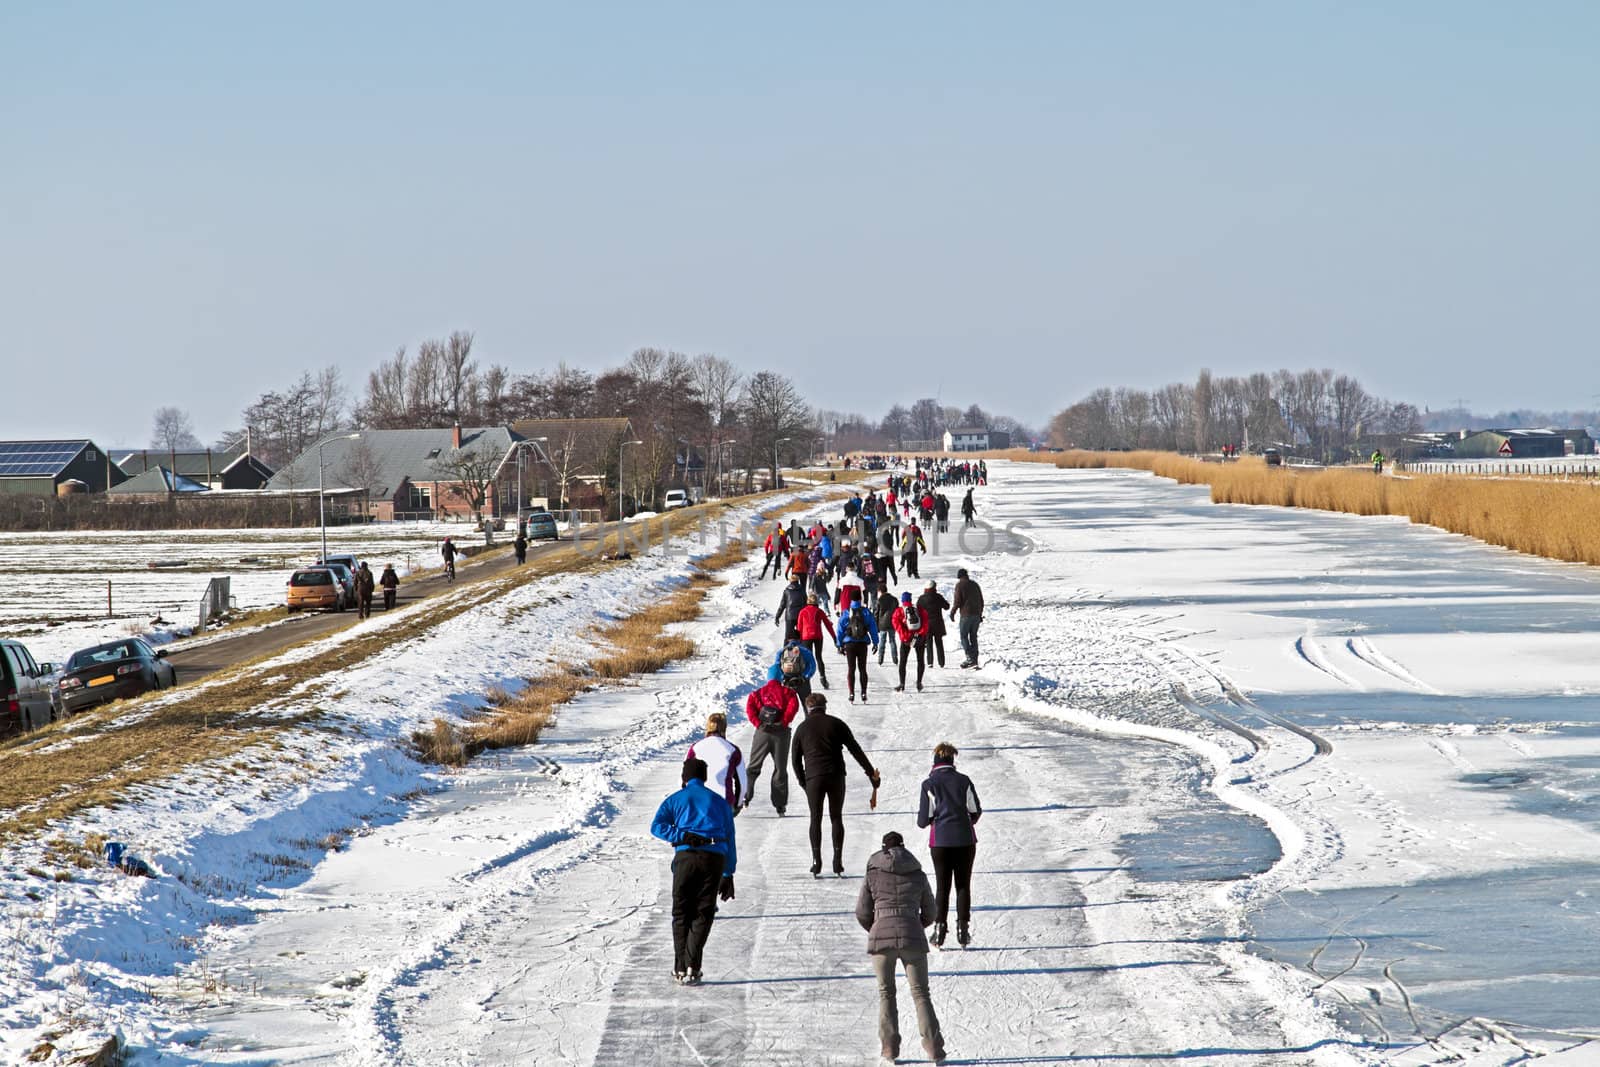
x=975, y=439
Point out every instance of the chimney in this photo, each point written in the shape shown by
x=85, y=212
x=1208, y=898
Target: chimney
x=455, y=436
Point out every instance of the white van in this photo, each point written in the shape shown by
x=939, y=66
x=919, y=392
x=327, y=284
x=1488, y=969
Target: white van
x=676, y=498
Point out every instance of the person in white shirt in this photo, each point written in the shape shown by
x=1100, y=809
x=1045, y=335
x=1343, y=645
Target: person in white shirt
x=725, y=771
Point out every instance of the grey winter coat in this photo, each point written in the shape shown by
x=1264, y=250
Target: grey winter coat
x=896, y=902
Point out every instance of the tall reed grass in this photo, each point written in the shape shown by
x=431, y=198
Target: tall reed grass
x=1556, y=520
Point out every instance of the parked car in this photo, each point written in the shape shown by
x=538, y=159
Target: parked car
x=675, y=498
x=315, y=587
x=1273, y=457
x=347, y=581
x=112, y=671
x=346, y=560
x=542, y=526
x=25, y=690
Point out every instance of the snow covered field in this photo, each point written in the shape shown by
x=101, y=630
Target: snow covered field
x=1264, y=786
x=54, y=593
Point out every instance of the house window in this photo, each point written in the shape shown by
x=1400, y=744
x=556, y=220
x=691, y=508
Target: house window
x=421, y=498
x=89, y=454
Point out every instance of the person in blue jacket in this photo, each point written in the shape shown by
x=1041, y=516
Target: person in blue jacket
x=799, y=681
x=856, y=633
x=698, y=822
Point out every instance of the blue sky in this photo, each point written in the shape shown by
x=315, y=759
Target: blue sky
x=1008, y=204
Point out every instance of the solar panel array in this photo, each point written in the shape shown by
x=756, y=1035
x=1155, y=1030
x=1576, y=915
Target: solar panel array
x=36, y=459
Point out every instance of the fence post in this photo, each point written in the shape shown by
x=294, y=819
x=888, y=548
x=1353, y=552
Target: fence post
x=108, y=599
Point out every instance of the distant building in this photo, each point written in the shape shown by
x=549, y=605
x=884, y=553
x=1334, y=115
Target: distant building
x=1523, y=444
x=157, y=483
x=39, y=468
x=975, y=439
x=232, y=468
x=583, y=454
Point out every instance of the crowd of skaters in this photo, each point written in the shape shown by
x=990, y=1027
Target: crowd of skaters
x=839, y=592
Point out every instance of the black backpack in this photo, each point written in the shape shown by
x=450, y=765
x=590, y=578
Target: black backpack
x=770, y=717
x=913, y=620
x=857, y=626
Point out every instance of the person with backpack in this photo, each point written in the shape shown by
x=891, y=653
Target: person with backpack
x=811, y=625
x=883, y=614
x=794, y=666
x=777, y=551
x=725, y=770
x=771, y=709
x=933, y=605
x=698, y=823
x=818, y=755
x=364, y=589
x=871, y=576
x=948, y=810
x=911, y=541
x=968, y=604
x=857, y=632
x=895, y=906
x=790, y=601
x=821, y=574
x=884, y=560
x=848, y=556
x=911, y=628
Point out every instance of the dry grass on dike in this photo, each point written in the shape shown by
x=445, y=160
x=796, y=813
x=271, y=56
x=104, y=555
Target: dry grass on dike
x=240, y=712
x=636, y=644
x=1556, y=520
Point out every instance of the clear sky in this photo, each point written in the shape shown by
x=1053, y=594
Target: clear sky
x=1008, y=204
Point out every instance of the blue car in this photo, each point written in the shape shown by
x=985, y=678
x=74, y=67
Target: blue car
x=541, y=526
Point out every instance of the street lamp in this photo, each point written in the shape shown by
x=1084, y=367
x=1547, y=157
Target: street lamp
x=621, y=509
x=775, y=477
x=322, y=516
x=520, y=445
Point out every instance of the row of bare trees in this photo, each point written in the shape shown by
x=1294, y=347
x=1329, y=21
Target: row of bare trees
x=921, y=425
x=1314, y=411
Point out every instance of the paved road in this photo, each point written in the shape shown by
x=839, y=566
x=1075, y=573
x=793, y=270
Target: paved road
x=215, y=655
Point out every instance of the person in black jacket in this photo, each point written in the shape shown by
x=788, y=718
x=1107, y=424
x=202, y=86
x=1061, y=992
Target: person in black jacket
x=933, y=605
x=790, y=601
x=949, y=804
x=817, y=751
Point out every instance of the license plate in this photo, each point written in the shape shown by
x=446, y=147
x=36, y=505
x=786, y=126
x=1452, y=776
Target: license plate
x=107, y=680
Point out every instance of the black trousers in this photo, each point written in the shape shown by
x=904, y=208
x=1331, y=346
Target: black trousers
x=920, y=645
x=696, y=877
x=886, y=571
x=909, y=561
x=953, y=864
x=830, y=787
x=855, y=659
x=936, y=648
x=815, y=645
x=774, y=561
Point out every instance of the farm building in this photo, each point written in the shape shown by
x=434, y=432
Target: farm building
x=1524, y=444
x=583, y=456
x=975, y=439
x=41, y=468
x=233, y=468
x=157, y=483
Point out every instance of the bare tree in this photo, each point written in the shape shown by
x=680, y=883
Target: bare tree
x=470, y=470
x=773, y=409
x=459, y=374
x=361, y=470
x=173, y=430
x=927, y=419
x=385, y=405
x=896, y=425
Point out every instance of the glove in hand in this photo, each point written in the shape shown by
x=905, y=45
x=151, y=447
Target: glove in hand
x=726, y=892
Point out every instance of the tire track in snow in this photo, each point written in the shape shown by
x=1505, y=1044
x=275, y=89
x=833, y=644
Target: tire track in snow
x=1305, y=646
x=1363, y=650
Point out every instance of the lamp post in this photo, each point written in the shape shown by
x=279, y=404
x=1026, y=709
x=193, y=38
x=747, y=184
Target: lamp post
x=776, y=479
x=322, y=515
x=520, y=446
x=621, y=508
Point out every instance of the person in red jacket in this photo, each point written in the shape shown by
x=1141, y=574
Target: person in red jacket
x=777, y=551
x=911, y=628
x=811, y=624
x=771, y=710
x=799, y=564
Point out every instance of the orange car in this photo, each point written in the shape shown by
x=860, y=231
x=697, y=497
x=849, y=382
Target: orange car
x=315, y=587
